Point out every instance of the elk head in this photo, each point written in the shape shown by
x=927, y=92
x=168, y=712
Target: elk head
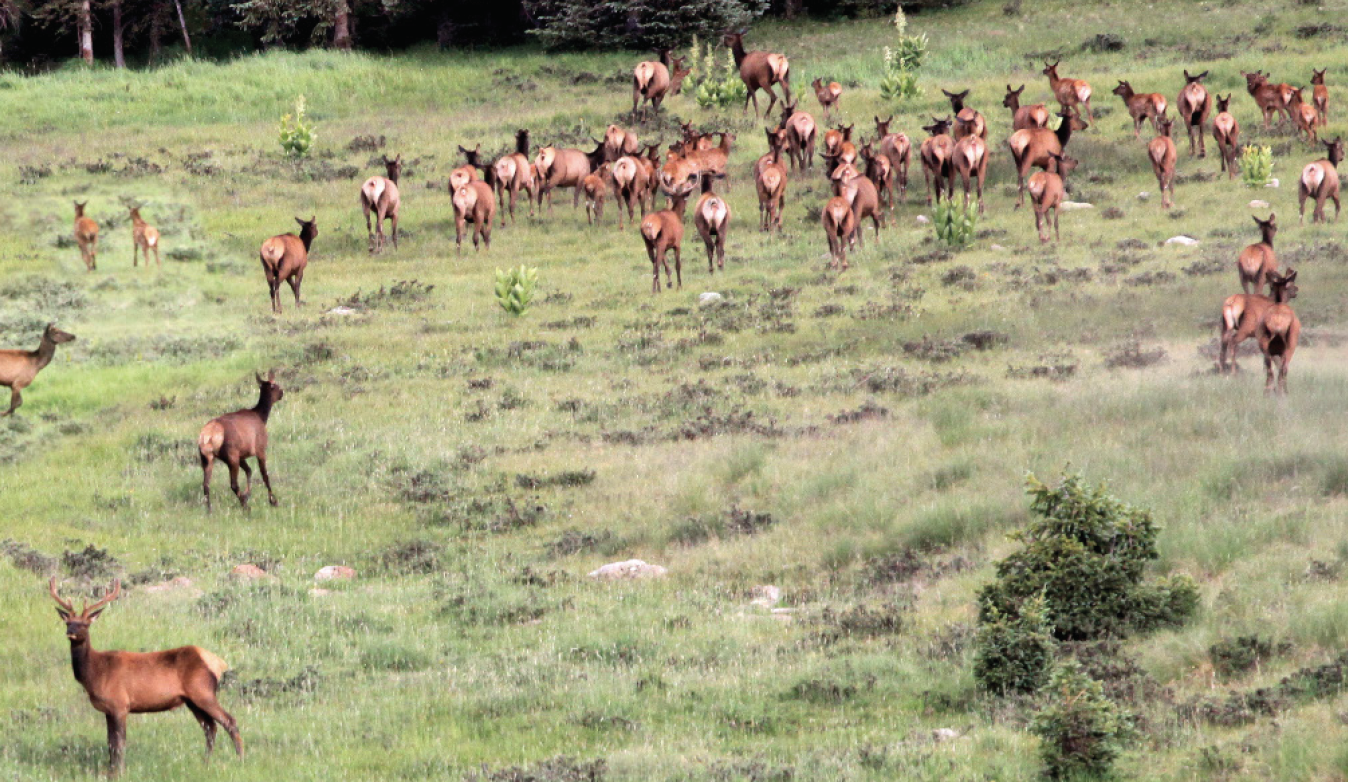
x=79, y=208
x=1124, y=90
x=1163, y=126
x=77, y=622
x=394, y=167
x=1063, y=164
x=1051, y=70
x=1269, y=227
x=956, y=100
x=56, y=336
x=1283, y=287
x=1318, y=77
x=270, y=391
x=677, y=74
x=1197, y=77
x=308, y=229
x=938, y=127
x=1335, y=148
x=1223, y=104
x=1012, y=98
x=882, y=126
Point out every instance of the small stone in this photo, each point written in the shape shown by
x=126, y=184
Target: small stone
x=1257, y=204
x=332, y=572
x=944, y=734
x=923, y=220
x=632, y=568
x=1184, y=241
x=1075, y=206
x=250, y=573
x=179, y=583
x=765, y=596
x=1143, y=196
x=710, y=297
x=1272, y=183
x=996, y=247
x=340, y=310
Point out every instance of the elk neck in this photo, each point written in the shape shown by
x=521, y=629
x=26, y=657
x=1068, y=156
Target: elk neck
x=46, y=349
x=80, y=660
x=737, y=48
x=263, y=406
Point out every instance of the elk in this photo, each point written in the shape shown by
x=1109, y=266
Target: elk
x=693, y=140
x=467, y=172
x=1070, y=93
x=284, y=258
x=800, y=130
x=1024, y=117
x=652, y=82
x=771, y=184
x=711, y=215
x=474, y=203
x=1046, y=192
x=662, y=231
x=1277, y=333
x=237, y=437
x=937, y=152
x=682, y=168
x=1241, y=315
x=898, y=149
x=759, y=71
x=1033, y=147
x=86, y=236
x=1258, y=261
x=1142, y=106
x=1320, y=95
x=651, y=163
x=828, y=95
x=1226, y=132
x=777, y=143
x=1162, y=153
x=630, y=183
x=513, y=173
x=881, y=172
x=1304, y=116
x=863, y=196
x=565, y=168
x=1320, y=180
x=596, y=190
x=618, y=142
x=971, y=162
x=1194, y=106
x=124, y=683
x=144, y=237
x=967, y=121
x=840, y=226
x=19, y=367
x=1267, y=96
x=380, y=195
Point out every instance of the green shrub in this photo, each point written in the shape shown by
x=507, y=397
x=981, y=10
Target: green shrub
x=515, y=289
x=899, y=85
x=955, y=224
x=1256, y=165
x=1081, y=732
x=297, y=133
x=636, y=24
x=902, y=62
x=1015, y=654
x=725, y=91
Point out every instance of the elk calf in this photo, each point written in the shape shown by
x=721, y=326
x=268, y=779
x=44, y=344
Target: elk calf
x=840, y=226
x=1320, y=180
x=595, y=189
x=124, y=683
x=284, y=258
x=1304, y=116
x=1141, y=106
x=1024, y=117
x=19, y=367
x=828, y=95
x=235, y=438
x=663, y=231
x=144, y=237
x=711, y=215
x=1267, y=96
x=1162, y=153
x=474, y=203
x=1070, y=93
x=1258, y=261
x=1226, y=132
x=86, y=236
x=1320, y=95
x=1277, y=332
x=771, y=185
x=1046, y=192
x=380, y=195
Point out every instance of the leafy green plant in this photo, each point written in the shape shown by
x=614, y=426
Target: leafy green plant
x=1081, y=732
x=1015, y=654
x=515, y=289
x=902, y=62
x=955, y=223
x=297, y=132
x=899, y=85
x=725, y=91
x=1256, y=165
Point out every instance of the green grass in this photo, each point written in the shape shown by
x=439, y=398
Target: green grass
x=417, y=437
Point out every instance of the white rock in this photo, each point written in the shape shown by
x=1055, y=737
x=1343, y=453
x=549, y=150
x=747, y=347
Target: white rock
x=1143, y=196
x=996, y=247
x=710, y=297
x=765, y=596
x=632, y=568
x=1186, y=241
x=944, y=734
x=1272, y=183
x=1073, y=206
x=342, y=311
x=923, y=219
x=331, y=572
x=1257, y=204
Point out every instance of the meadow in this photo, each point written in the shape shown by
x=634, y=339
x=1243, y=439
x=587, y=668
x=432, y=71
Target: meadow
x=859, y=440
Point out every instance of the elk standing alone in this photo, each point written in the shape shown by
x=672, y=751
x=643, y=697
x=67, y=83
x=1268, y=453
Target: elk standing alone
x=284, y=259
x=380, y=195
x=828, y=95
x=144, y=237
x=711, y=215
x=1070, y=93
x=1226, y=132
x=1162, y=153
x=759, y=71
x=123, y=683
x=86, y=236
x=19, y=367
x=663, y=231
x=1141, y=106
x=237, y=437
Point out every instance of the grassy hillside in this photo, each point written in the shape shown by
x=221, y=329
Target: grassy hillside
x=836, y=436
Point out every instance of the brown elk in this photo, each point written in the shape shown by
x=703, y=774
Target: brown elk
x=840, y=226
x=1162, y=154
x=1320, y=95
x=651, y=162
x=565, y=168
x=284, y=258
x=380, y=195
x=1258, y=261
x=1046, y=192
x=144, y=238
x=595, y=188
x=1142, y=106
x=662, y=231
x=1024, y=117
x=630, y=184
x=237, y=437
x=1226, y=132
x=759, y=71
x=86, y=236
x=881, y=172
x=834, y=140
x=693, y=140
x=1304, y=116
x=770, y=182
x=898, y=149
x=1070, y=93
x=1194, y=106
x=937, y=153
x=1034, y=146
x=777, y=144
x=864, y=197
x=468, y=172
x=828, y=94
x=1278, y=331
x=711, y=162
x=711, y=215
x=513, y=173
x=967, y=121
x=618, y=142
x=652, y=82
x=123, y=683
x=1241, y=315
x=1320, y=180
x=474, y=203
x=801, y=131
x=971, y=162
x=19, y=367
x=1269, y=97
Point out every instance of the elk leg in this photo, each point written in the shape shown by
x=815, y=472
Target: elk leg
x=369, y=229
x=678, y=264
x=295, y=281
x=720, y=250
x=266, y=479
x=1055, y=225
x=233, y=465
x=135, y=250
x=207, y=463
x=1268, y=373
x=248, y=477
x=93, y=257
x=116, y=743
x=15, y=399
x=207, y=725
x=655, y=268
x=226, y=720
x=1336, y=207
x=394, y=218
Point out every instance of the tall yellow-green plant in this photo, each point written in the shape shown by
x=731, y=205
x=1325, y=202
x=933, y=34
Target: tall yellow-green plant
x=297, y=132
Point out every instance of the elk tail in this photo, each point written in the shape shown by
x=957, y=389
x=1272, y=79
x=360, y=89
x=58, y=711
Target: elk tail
x=211, y=438
x=1231, y=313
x=214, y=664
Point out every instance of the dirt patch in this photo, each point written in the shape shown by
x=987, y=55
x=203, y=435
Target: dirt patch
x=564, y=479
x=366, y=143
x=1054, y=366
x=575, y=542
x=1133, y=356
x=867, y=412
x=402, y=294
x=558, y=769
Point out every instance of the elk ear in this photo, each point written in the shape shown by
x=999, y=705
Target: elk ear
x=258, y=375
x=271, y=376
x=64, y=614
x=94, y=614
x=299, y=220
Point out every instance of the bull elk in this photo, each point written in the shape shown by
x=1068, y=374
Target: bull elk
x=19, y=367
x=1320, y=180
x=652, y=82
x=1194, y=106
x=759, y=71
x=1046, y=193
x=1142, y=106
x=711, y=215
x=237, y=437
x=1034, y=147
x=1024, y=117
x=898, y=149
x=662, y=231
x=1226, y=132
x=828, y=95
x=123, y=683
x=284, y=258
x=967, y=121
x=514, y=173
x=1258, y=261
x=937, y=153
x=380, y=195
x=1162, y=154
x=86, y=236
x=144, y=238
x=1070, y=93
x=1320, y=95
